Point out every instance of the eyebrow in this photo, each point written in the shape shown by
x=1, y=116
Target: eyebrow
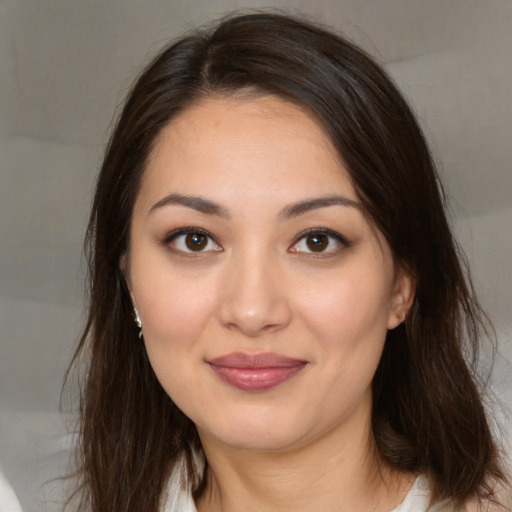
x=208, y=207
x=302, y=207
x=197, y=203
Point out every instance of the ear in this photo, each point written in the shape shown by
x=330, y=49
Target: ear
x=404, y=290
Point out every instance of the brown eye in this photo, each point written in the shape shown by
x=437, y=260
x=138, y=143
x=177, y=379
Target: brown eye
x=196, y=241
x=321, y=241
x=317, y=242
x=188, y=240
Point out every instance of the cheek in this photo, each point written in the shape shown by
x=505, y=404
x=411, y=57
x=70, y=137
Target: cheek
x=348, y=317
x=171, y=304
x=175, y=313
x=175, y=309
x=350, y=325
x=349, y=308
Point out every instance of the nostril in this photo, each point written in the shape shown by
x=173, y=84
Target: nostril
x=254, y=321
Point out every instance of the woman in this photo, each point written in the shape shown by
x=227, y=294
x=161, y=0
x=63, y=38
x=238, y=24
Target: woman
x=279, y=319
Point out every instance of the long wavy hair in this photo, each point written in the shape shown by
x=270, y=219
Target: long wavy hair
x=428, y=414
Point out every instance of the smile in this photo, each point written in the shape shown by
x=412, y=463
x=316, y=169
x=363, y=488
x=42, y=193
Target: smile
x=255, y=372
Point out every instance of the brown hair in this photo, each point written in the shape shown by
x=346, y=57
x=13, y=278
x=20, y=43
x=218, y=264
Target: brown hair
x=428, y=414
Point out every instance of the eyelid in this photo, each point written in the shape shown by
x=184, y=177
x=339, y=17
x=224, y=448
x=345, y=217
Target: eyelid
x=175, y=233
x=324, y=231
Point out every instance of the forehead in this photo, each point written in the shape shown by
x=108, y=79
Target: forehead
x=256, y=145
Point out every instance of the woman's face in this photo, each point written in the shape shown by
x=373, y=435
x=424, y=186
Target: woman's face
x=264, y=294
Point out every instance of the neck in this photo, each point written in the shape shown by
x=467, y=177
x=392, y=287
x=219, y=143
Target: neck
x=330, y=474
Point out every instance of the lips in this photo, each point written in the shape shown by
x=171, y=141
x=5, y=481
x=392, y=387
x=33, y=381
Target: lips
x=255, y=372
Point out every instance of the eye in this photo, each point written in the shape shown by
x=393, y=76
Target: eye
x=319, y=241
x=190, y=240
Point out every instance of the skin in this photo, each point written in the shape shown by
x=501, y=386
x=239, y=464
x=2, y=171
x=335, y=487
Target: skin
x=257, y=286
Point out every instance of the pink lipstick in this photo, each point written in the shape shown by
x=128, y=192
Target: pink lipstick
x=255, y=372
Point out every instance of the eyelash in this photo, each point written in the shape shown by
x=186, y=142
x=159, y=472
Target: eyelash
x=191, y=230
x=340, y=239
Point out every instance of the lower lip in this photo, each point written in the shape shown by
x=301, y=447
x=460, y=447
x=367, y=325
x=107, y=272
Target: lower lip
x=257, y=379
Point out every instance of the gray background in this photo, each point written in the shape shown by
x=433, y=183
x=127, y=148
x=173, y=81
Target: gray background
x=65, y=66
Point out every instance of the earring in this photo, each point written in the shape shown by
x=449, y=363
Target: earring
x=137, y=320
x=401, y=317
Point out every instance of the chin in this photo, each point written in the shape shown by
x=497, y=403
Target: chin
x=258, y=441
x=261, y=433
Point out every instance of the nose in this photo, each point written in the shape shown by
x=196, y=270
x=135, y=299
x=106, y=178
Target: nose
x=254, y=297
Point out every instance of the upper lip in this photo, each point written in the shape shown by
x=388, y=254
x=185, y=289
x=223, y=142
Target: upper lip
x=260, y=360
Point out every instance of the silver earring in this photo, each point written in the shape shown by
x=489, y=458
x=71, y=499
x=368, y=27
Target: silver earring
x=137, y=321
